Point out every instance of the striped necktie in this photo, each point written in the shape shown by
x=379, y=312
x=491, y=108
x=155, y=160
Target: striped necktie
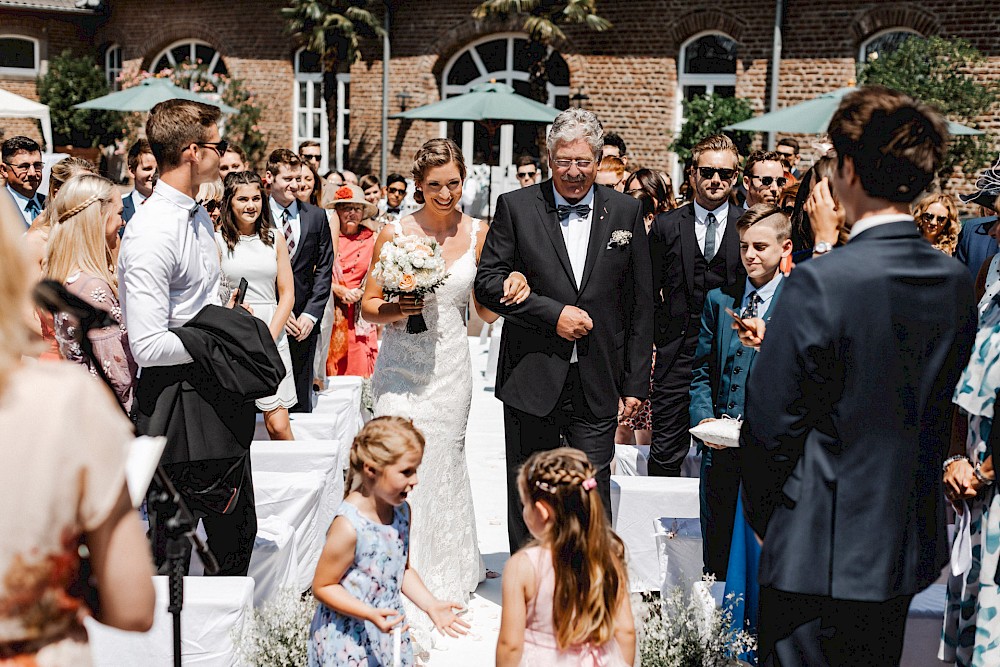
x=286, y=227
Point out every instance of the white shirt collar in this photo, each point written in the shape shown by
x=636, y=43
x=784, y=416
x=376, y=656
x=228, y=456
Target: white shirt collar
x=701, y=213
x=876, y=220
x=276, y=209
x=767, y=291
x=176, y=197
x=138, y=197
x=588, y=199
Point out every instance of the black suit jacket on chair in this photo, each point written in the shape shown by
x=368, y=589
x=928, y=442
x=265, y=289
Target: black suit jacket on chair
x=614, y=358
x=312, y=262
x=673, y=246
x=848, y=417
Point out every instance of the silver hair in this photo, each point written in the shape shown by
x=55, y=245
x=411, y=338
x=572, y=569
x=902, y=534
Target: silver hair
x=573, y=124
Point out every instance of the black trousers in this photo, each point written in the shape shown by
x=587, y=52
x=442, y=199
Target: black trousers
x=717, y=493
x=230, y=536
x=670, y=401
x=571, y=419
x=818, y=631
x=303, y=353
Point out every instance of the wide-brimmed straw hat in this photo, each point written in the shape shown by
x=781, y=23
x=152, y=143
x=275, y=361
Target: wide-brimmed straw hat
x=352, y=194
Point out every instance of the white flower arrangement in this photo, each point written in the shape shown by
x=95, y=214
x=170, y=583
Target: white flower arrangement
x=277, y=634
x=410, y=264
x=688, y=630
x=619, y=239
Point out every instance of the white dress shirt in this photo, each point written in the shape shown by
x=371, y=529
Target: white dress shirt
x=701, y=224
x=22, y=203
x=875, y=221
x=137, y=199
x=293, y=219
x=168, y=271
x=765, y=293
x=576, y=234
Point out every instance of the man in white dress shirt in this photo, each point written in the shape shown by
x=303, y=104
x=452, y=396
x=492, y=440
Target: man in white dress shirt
x=169, y=270
x=22, y=167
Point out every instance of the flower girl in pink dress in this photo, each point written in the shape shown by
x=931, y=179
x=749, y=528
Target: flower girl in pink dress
x=565, y=596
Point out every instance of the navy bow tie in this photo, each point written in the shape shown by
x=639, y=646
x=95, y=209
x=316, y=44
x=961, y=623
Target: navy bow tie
x=582, y=210
x=393, y=210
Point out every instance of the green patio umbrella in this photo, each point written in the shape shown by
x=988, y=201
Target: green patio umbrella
x=487, y=103
x=147, y=95
x=813, y=117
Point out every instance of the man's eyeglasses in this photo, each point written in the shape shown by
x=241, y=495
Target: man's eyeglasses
x=311, y=158
x=219, y=147
x=526, y=174
x=24, y=167
x=580, y=164
x=767, y=180
x=709, y=172
x=397, y=191
x=928, y=218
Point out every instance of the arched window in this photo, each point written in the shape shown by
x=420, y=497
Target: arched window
x=706, y=64
x=18, y=55
x=193, y=52
x=113, y=66
x=884, y=42
x=504, y=58
x=309, y=105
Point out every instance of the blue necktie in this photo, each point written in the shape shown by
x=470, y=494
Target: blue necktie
x=32, y=209
x=582, y=210
x=752, y=302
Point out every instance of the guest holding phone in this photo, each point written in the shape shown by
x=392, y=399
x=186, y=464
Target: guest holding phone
x=251, y=250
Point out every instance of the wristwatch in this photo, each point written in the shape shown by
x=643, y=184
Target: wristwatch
x=822, y=248
x=977, y=471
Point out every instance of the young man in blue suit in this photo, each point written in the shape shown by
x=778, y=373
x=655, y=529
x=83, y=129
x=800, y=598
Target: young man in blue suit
x=142, y=169
x=722, y=365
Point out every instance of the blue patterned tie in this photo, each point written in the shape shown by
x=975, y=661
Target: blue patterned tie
x=751, y=309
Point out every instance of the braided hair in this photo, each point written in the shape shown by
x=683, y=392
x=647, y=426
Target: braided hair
x=588, y=558
x=382, y=442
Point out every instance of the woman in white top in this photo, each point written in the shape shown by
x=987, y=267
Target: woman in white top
x=250, y=249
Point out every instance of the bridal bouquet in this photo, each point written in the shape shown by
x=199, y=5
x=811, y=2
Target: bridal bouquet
x=410, y=265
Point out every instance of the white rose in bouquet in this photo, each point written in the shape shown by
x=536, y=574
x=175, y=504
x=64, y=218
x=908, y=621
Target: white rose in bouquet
x=410, y=265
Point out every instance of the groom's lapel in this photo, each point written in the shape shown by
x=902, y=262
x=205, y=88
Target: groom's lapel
x=599, y=221
x=550, y=222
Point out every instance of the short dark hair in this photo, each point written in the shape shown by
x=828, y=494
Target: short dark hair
x=791, y=143
x=140, y=147
x=757, y=157
x=173, y=125
x=368, y=180
x=282, y=157
x=612, y=139
x=526, y=160
x=309, y=143
x=771, y=216
x=895, y=142
x=18, y=144
x=394, y=178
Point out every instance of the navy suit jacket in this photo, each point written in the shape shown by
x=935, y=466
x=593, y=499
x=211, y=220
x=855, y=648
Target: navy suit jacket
x=128, y=207
x=312, y=262
x=974, y=247
x=710, y=392
x=848, y=418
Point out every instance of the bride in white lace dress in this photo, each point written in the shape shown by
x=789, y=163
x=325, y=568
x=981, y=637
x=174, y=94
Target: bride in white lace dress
x=427, y=377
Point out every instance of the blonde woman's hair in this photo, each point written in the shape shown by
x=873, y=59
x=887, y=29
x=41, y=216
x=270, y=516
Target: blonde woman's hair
x=61, y=172
x=15, y=336
x=77, y=239
x=947, y=240
x=587, y=556
x=382, y=442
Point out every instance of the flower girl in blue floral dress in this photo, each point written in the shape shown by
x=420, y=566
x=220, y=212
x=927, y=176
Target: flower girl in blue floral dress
x=364, y=566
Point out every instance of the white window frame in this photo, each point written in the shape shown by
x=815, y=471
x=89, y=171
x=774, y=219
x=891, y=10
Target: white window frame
x=113, y=70
x=314, y=90
x=24, y=71
x=710, y=81
x=882, y=33
x=508, y=76
x=192, y=44
x=343, y=113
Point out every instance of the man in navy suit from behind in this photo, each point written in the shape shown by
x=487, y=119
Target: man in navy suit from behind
x=848, y=409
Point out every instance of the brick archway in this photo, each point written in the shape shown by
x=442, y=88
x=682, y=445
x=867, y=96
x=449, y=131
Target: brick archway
x=897, y=15
x=172, y=31
x=705, y=20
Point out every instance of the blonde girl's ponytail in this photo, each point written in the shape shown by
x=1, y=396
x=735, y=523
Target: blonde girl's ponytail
x=587, y=556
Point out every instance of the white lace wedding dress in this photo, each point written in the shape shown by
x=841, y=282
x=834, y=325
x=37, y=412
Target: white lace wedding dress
x=427, y=377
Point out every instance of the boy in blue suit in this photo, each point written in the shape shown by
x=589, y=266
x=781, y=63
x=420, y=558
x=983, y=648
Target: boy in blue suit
x=722, y=365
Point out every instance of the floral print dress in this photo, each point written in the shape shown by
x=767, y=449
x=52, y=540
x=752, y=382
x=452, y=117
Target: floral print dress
x=375, y=578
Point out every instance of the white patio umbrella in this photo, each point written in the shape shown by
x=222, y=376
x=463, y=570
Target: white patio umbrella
x=15, y=106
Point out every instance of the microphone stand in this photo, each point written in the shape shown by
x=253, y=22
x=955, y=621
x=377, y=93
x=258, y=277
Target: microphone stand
x=181, y=523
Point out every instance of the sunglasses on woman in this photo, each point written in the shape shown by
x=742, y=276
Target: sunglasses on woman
x=928, y=218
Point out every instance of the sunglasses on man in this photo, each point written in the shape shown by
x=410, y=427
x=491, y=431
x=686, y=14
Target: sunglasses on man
x=767, y=180
x=311, y=158
x=219, y=147
x=526, y=174
x=397, y=191
x=709, y=172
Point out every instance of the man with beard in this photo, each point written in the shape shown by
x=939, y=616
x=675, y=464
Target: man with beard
x=694, y=249
x=764, y=178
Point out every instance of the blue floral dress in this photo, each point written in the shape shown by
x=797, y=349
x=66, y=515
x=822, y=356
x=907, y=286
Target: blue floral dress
x=375, y=578
x=971, y=634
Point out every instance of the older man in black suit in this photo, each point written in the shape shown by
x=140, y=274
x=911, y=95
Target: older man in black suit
x=694, y=250
x=575, y=355
x=849, y=408
x=310, y=245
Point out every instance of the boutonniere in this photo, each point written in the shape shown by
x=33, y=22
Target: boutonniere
x=619, y=239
